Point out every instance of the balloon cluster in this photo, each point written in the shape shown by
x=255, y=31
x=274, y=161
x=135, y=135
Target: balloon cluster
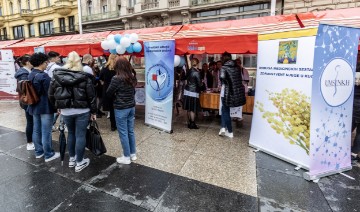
x=118, y=44
x=179, y=61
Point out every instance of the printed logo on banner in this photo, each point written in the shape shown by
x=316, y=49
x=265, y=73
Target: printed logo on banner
x=337, y=82
x=287, y=52
x=159, y=80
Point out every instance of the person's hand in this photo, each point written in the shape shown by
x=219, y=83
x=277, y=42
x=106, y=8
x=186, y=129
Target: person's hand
x=93, y=117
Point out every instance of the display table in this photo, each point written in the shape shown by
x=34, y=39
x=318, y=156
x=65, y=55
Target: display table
x=212, y=101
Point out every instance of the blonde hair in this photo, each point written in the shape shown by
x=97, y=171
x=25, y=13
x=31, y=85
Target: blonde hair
x=87, y=58
x=110, y=64
x=73, y=62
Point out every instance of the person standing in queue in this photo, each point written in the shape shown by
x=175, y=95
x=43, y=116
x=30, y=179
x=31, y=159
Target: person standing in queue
x=43, y=111
x=122, y=91
x=72, y=91
x=23, y=74
x=191, y=93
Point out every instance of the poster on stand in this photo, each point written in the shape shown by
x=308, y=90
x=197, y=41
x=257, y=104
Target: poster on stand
x=281, y=117
x=7, y=72
x=159, y=83
x=336, y=50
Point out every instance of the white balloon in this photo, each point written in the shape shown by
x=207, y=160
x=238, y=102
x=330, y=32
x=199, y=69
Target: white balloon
x=134, y=38
x=112, y=44
x=176, y=60
x=105, y=45
x=125, y=42
x=120, y=49
x=110, y=37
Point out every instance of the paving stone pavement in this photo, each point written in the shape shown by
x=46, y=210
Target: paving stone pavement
x=183, y=171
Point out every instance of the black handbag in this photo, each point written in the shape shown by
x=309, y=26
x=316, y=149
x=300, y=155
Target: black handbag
x=94, y=141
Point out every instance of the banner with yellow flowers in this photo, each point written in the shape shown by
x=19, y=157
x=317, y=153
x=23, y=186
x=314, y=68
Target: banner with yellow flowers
x=281, y=118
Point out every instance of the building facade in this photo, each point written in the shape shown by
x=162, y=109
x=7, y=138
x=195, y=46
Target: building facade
x=37, y=18
x=302, y=6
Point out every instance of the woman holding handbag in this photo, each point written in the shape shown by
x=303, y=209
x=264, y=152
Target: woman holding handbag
x=72, y=91
x=122, y=91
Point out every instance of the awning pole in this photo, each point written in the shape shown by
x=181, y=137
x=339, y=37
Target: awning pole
x=79, y=13
x=273, y=7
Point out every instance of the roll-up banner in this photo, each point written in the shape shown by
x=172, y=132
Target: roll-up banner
x=336, y=50
x=7, y=80
x=159, y=78
x=281, y=118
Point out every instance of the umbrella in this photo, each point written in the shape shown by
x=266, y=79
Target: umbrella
x=62, y=141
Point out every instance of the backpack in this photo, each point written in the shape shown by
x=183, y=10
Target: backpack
x=27, y=93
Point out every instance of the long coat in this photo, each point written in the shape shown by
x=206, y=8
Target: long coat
x=106, y=75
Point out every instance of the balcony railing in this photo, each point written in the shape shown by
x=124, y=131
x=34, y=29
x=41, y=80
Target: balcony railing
x=174, y=3
x=61, y=30
x=203, y=2
x=101, y=16
x=130, y=10
x=149, y=6
x=26, y=12
x=4, y=37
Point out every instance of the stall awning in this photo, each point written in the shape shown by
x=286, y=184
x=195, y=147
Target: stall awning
x=5, y=43
x=27, y=46
x=157, y=33
x=81, y=43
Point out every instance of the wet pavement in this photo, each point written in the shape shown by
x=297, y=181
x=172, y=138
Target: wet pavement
x=189, y=170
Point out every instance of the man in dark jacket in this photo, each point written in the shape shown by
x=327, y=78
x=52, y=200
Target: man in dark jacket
x=232, y=92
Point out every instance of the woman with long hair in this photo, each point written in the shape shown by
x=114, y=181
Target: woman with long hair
x=191, y=93
x=106, y=75
x=122, y=91
x=72, y=91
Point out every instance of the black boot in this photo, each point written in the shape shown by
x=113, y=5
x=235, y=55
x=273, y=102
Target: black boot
x=193, y=125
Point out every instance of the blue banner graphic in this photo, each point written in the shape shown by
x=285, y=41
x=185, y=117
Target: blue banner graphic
x=159, y=79
x=336, y=49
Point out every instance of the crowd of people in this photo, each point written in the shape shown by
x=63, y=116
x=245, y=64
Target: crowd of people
x=75, y=92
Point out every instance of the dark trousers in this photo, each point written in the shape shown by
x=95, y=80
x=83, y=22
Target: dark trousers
x=112, y=118
x=356, y=147
x=225, y=117
x=29, y=126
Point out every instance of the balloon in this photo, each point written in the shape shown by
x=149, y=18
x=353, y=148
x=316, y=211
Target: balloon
x=120, y=49
x=113, y=51
x=134, y=38
x=137, y=47
x=127, y=35
x=110, y=37
x=117, y=38
x=176, y=60
x=130, y=49
x=125, y=42
x=112, y=44
x=182, y=61
x=105, y=45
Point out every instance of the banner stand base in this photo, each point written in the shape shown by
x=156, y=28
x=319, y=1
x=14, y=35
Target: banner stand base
x=279, y=157
x=309, y=177
x=158, y=128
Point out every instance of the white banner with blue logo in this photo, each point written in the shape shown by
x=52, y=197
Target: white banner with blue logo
x=159, y=78
x=336, y=49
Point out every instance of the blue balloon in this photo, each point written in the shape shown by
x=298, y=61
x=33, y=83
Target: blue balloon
x=182, y=62
x=137, y=47
x=117, y=38
x=113, y=51
x=130, y=49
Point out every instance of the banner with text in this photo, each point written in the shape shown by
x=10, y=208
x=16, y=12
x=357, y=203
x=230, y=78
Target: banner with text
x=281, y=118
x=7, y=71
x=159, y=83
x=336, y=49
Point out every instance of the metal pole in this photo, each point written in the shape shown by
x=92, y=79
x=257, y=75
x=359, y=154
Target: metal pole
x=273, y=7
x=79, y=13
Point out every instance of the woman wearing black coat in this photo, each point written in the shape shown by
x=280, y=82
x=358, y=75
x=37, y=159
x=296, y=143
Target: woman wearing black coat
x=107, y=73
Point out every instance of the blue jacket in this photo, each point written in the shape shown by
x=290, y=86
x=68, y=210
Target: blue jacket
x=41, y=84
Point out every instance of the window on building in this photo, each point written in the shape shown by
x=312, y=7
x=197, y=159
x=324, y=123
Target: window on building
x=89, y=7
x=19, y=5
x=18, y=32
x=71, y=23
x=11, y=6
x=31, y=30
x=28, y=4
x=4, y=34
x=104, y=8
x=0, y=11
x=132, y=3
x=46, y=28
x=48, y=2
x=37, y=4
x=62, y=24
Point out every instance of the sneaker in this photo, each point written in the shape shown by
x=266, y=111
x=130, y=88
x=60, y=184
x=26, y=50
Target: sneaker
x=72, y=162
x=30, y=146
x=230, y=135
x=222, y=132
x=39, y=156
x=123, y=160
x=82, y=165
x=56, y=155
x=133, y=157
x=53, y=128
x=108, y=116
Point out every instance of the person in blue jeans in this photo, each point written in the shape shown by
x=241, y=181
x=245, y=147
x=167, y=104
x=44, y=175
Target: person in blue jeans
x=42, y=112
x=72, y=91
x=122, y=91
